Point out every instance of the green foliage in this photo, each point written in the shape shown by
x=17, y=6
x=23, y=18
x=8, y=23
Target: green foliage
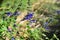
x=21, y=5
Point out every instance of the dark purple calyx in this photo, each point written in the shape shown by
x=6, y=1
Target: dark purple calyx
x=9, y=13
x=58, y=11
x=16, y=13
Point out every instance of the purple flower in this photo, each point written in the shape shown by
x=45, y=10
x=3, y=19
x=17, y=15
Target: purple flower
x=32, y=21
x=58, y=11
x=47, y=28
x=46, y=24
x=9, y=13
x=29, y=16
x=16, y=13
x=12, y=38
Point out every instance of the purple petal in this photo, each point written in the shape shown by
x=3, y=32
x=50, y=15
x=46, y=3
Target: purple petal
x=29, y=16
x=58, y=11
x=9, y=13
x=16, y=13
x=32, y=21
x=45, y=24
x=47, y=28
x=12, y=38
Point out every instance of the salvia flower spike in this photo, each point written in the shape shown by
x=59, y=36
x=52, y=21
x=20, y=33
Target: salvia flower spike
x=29, y=16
